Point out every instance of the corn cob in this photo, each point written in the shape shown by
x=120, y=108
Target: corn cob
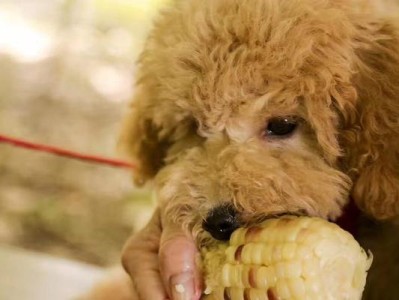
x=290, y=258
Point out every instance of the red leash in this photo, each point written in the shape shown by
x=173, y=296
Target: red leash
x=65, y=153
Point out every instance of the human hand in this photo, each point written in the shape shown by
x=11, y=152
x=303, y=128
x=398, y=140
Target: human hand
x=161, y=261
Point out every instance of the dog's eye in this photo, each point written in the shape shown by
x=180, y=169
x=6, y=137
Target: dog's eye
x=281, y=127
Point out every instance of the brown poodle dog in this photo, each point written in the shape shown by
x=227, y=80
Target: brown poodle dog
x=252, y=108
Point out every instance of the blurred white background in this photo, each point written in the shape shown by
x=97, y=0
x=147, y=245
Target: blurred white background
x=66, y=76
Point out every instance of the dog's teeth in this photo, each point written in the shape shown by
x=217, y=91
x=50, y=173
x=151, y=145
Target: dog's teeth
x=287, y=258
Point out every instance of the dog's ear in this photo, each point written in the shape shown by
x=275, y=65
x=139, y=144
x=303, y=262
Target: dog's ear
x=372, y=143
x=143, y=139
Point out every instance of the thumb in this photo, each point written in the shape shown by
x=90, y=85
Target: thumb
x=177, y=257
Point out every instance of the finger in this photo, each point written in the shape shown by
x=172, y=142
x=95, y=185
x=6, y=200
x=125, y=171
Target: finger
x=177, y=256
x=140, y=260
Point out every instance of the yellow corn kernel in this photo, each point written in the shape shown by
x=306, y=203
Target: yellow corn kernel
x=289, y=258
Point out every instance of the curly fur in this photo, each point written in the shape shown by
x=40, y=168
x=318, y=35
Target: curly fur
x=214, y=72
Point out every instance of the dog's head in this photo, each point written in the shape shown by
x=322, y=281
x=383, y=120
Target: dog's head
x=248, y=108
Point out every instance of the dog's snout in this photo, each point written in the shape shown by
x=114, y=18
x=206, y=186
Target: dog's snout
x=221, y=222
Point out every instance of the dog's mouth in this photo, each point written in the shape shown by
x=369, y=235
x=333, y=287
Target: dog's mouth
x=347, y=221
x=261, y=218
x=224, y=220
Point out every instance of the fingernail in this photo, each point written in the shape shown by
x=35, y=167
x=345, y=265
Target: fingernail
x=182, y=286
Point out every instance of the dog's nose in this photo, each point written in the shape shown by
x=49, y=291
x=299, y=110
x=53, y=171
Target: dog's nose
x=221, y=222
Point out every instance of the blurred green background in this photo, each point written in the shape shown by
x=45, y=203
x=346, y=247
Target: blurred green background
x=66, y=77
